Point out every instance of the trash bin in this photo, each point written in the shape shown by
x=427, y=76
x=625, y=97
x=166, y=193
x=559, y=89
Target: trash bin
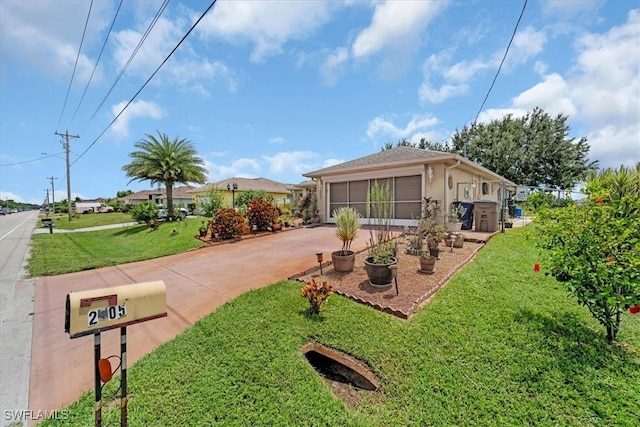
x=487, y=213
x=467, y=218
x=518, y=212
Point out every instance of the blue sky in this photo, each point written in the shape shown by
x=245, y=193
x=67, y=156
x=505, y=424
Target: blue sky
x=278, y=88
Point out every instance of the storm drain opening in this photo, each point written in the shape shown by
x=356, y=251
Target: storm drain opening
x=338, y=367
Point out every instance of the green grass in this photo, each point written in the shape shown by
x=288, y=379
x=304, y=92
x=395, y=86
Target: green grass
x=90, y=220
x=60, y=253
x=499, y=345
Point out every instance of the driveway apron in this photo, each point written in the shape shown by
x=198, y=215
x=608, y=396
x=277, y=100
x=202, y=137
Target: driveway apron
x=197, y=283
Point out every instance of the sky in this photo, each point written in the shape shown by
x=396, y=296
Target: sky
x=276, y=89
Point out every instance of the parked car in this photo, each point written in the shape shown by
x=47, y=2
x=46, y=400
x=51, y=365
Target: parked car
x=181, y=213
x=2, y=212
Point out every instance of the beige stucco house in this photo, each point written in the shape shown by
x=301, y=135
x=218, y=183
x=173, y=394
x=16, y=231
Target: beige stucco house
x=412, y=174
x=280, y=192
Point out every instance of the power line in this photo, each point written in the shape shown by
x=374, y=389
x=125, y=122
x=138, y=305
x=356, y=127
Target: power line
x=502, y=62
x=147, y=82
x=97, y=61
x=133, y=54
x=86, y=23
x=31, y=161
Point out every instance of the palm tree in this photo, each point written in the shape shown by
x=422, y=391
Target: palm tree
x=168, y=162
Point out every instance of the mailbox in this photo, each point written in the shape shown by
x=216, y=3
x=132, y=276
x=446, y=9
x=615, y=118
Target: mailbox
x=97, y=310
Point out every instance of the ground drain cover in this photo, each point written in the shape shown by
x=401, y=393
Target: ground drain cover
x=340, y=367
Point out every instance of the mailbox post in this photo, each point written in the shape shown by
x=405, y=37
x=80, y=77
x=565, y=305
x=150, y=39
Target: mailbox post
x=98, y=310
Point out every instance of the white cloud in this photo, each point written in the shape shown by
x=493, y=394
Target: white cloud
x=454, y=79
x=527, y=43
x=333, y=64
x=185, y=68
x=381, y=127
x=276, y=140
x=570, y=9
x=497, y=113
x=241, y=168
x=38, y=34
x=393, y=25
x=290, y=161
x=432, y=95
x=601, y=94
x=267, y=25
x=552, y=92
x=136, y=109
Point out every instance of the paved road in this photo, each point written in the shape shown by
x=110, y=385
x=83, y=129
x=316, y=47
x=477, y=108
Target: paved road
x=16, y=311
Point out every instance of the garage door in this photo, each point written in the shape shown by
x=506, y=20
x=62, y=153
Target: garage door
x=406, y=193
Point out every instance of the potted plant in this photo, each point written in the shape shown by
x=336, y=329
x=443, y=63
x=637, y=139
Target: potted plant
x=427, y=263
x=347, y=226
x=454, y=218
x=382, y=250
x=430, y=225
x=203, y=229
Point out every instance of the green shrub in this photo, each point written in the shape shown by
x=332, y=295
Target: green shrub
x=211, y=203
x=594, y=247
x=261, y=214
x=227, y=224
x=243, y=199
x=144, y=212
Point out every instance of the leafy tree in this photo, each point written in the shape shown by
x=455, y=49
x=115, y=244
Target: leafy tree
x=123, y=193
x=533, y=150
x=594, y=246
x=243, y=199
x=160, y=160
x=423, y=144
x=212, y=202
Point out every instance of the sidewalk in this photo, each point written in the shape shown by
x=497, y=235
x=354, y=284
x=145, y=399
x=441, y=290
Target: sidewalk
x=45, y=230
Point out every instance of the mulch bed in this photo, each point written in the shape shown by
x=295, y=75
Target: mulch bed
x=415, y=288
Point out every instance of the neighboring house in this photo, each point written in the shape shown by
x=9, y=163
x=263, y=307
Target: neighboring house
x=299, y=190
x=142, y=196
x=280, y=192
x=413, y=174
x=181, y=196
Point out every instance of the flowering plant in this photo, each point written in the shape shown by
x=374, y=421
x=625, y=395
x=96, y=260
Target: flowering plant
x=593, y=246
x=317, y=294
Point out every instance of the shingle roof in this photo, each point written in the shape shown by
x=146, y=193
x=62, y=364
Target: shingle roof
x=393, y=155
x=248, y=184
x=398, y=156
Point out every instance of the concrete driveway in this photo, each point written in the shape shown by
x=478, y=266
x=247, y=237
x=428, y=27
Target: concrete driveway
x=197, y=283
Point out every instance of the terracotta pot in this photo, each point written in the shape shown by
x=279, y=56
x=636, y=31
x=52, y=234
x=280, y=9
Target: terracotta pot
x=427, y=265
x=379, y=274
x=454, y=226
x=343, y=263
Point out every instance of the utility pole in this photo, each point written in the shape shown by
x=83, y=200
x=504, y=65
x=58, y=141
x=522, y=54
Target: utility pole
x=53, y=195
x=65, y=145
x=48, y=204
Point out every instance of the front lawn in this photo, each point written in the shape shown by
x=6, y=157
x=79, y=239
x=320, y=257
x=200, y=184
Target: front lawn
x=499, y=345
x=89, y=220
x=60, y=253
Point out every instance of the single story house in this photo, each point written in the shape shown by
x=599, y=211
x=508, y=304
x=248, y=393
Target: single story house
x=413, y=174
x=233, y=187
x=181, y=196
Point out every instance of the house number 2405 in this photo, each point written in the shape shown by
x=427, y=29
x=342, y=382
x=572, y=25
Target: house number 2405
x=112, y=312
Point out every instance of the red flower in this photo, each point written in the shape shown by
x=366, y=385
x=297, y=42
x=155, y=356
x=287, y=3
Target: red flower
x=635, y=309
x=536, y=267
x=599, y=201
